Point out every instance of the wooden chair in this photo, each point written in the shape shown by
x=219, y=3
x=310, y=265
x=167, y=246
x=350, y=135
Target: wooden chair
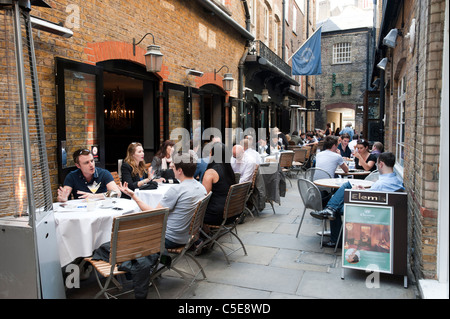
x=185, y=251
x=234, y=206
x=133, y=236
x=116, y=178
x=300, y=160
x=285, y=161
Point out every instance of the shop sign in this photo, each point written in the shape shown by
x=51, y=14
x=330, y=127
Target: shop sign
x=313, y=105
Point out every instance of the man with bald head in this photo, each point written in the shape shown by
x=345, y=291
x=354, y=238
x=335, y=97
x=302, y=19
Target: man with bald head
x=242, y=163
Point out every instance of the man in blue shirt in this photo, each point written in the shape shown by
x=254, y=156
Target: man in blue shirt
x=87, y=175
x=388, y=182
x=348, y=129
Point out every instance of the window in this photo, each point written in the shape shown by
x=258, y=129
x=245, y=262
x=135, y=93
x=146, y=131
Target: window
x=275, y=36
x=294, y=20
x=266, y=26
x=301, y=5
x=286, y=11
x=252, y=10
x=342, y=53
x=400, y=140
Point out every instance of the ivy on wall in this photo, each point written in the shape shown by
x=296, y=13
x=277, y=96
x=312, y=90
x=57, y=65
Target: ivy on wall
x=335, y=85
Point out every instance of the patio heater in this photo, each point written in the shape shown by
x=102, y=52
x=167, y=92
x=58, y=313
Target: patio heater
x=29, y=259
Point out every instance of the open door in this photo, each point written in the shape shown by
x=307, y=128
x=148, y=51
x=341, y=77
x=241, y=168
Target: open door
x=80, y=123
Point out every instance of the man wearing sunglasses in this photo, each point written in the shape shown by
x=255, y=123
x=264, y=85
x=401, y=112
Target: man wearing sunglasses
x=79, y=181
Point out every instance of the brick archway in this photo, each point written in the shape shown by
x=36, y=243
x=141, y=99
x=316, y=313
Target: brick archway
x=208, y=78
x=115, y=50
x=340, y=106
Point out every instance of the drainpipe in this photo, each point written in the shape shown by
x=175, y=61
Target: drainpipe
x=241, y=66
x=283, y=30
x=241, y=86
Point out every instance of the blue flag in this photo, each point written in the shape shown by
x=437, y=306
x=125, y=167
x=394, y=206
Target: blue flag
x=307, y=60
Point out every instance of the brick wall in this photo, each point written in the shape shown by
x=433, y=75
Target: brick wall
x=354, y=73
x=187, y=34
x=422, y=69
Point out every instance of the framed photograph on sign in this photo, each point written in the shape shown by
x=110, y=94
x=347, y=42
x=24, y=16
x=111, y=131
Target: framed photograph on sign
x=368, y=238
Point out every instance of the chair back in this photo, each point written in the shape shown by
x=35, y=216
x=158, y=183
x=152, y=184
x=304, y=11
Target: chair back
x=314, y=173
x=197, y=218
x=116, y=177
x=255, y=173
x=138, y=235
x=300, y=155
x=373, y=176
x=286, y=159
x=310, y=194
x=119, y=167
x=293, y=147
x=236, y=200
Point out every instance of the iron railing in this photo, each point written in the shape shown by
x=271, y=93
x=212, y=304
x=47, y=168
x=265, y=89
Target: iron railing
x=263, y=51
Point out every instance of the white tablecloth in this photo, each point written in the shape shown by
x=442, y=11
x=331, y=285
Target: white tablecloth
x=79, y=231
x=153, y=196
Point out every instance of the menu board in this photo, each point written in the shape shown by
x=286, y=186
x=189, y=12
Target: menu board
x=368, y=238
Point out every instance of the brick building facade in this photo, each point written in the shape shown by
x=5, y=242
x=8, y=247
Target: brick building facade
x=416, y=107
x=341, y=86
x=79, y=76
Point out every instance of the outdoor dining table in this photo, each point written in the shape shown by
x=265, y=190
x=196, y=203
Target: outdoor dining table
x=337, y=182
x=82, y=227
x=352, y=172
x=153, y=196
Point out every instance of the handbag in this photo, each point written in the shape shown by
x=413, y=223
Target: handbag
x=149, y=185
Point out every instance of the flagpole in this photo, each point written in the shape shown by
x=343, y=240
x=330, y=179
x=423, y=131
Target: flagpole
x=303, y=44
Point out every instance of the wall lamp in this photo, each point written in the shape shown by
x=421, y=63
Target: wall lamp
x=227, y=79
x=390, y=39
x=382, y=64
x=153, y=56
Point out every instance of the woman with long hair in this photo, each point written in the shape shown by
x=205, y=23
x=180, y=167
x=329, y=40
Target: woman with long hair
x=133, y=169
x=218, y=178
x=163, y=158
x=363, y=159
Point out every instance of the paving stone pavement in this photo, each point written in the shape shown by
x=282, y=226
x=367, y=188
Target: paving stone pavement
x=277, y=265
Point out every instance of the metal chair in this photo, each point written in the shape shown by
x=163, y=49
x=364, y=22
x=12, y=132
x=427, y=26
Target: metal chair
x=232, y=214
x=373, y=176
x=133, y=236
x=314, y=173
x=178, y=253
x=285, y=162
x=312, y=199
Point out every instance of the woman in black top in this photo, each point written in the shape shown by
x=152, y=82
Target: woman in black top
x=162, y=159
x=218, y=178
x=363, y=159
x=133, y=168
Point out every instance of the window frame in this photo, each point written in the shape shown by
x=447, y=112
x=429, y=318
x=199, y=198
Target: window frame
x=400, y=124
x=342, y=53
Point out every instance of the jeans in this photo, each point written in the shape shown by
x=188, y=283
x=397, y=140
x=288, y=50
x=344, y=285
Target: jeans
x=337, y=203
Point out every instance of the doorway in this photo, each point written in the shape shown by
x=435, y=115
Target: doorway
x=129, y=110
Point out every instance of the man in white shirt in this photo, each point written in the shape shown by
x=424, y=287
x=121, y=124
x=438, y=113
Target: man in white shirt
x=328, y=159
x=242, y=163
x=248, y=149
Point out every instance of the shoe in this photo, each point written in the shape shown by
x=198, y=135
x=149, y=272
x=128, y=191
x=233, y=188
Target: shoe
x=327, y=213
x=325, y=233
x=331, y=244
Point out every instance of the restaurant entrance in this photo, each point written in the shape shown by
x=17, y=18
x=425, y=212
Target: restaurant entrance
x=129, y=110
x=104, y=108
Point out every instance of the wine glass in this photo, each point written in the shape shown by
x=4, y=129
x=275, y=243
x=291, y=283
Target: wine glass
x=94, y=187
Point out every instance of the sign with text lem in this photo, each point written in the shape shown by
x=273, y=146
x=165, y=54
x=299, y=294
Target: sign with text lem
x=368, y=240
